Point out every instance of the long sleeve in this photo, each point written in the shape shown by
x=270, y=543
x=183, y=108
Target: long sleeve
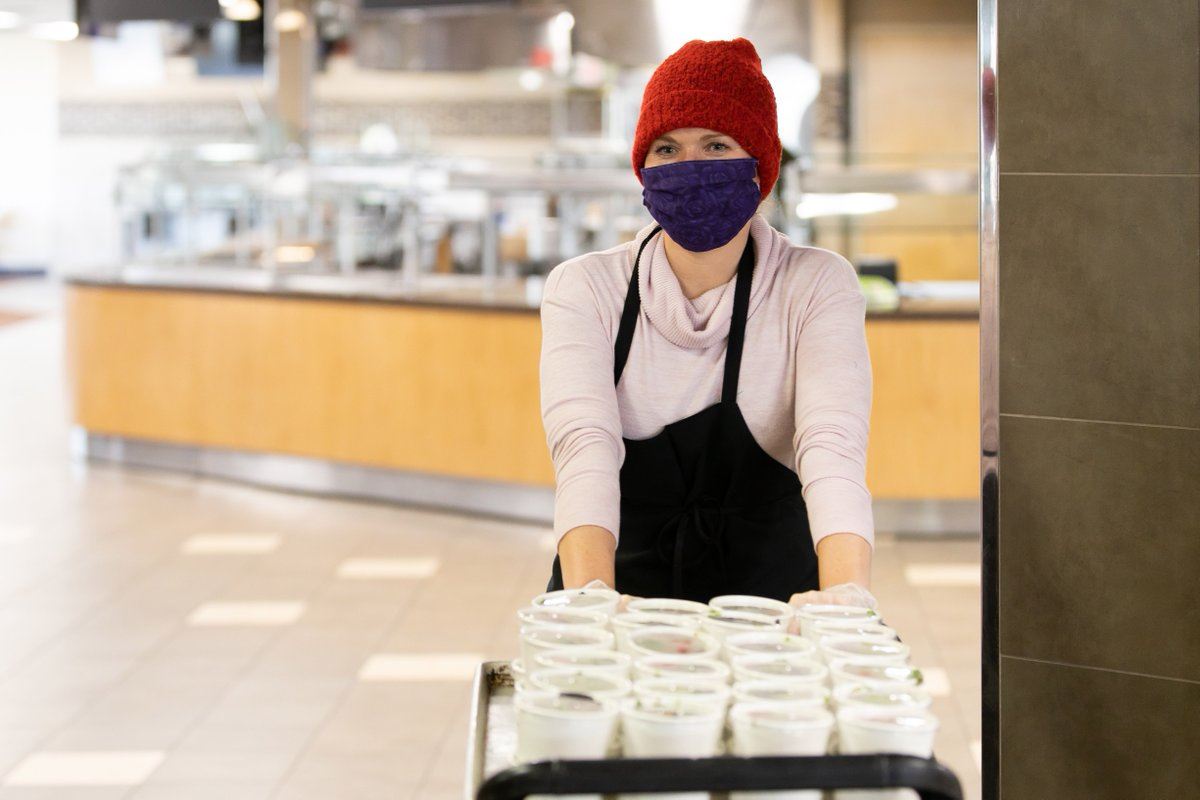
x=579, y=404
x=833, y=405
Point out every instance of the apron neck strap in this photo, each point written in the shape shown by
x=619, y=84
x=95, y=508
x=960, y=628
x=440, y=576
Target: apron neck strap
x=737, y=324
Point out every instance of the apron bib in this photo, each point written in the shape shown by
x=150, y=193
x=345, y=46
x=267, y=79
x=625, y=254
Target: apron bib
x=705, y=511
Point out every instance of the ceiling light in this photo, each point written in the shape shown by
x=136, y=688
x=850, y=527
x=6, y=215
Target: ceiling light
x=55, y=31
x=290, y=20
x=816, y=204
x=680, y=21
x=241, y=10
x=531, y=79
x=9, y=20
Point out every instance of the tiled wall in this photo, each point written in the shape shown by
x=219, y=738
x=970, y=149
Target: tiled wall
x=1099, y=363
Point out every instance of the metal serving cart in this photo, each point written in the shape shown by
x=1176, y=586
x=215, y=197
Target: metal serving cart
x=491, y=774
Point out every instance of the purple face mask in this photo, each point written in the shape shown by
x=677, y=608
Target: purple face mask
x=702, y=204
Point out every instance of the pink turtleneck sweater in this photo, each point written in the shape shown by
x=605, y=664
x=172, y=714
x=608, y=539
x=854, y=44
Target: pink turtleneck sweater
x=804, y=387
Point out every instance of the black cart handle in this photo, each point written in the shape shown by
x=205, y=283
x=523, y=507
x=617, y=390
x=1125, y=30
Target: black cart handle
x=928, y=778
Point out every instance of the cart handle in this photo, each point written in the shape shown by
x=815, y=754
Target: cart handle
x=928, y=778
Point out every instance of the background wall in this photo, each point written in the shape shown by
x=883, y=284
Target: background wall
x=1099, y=358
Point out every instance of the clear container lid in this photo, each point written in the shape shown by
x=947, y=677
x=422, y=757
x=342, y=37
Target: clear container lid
x=769, y=642
x=895, y=696
x=664, y=640
x=749, y=604
x=854, y=627
x=646, y=619
x=580, y=682
x=780, y=691
x=668, y=605
x=740, y=620
x=686, y=667
x=876, y=673
x=780, y=667
x=566, y=636
x=598, y=659
x=562, y=704
x=852, y=646
x=578, y=598
x=915, y=720
x=561, y=615
x=665, y=708
x=819, y=612
x=701, y=690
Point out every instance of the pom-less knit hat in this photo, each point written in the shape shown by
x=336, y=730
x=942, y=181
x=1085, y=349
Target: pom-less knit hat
x=716, y=85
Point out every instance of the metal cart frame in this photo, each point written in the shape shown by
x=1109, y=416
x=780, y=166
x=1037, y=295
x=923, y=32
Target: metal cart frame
x=719, y=775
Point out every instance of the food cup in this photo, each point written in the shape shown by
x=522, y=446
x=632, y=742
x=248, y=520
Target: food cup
x=777, y=610
x=551, y=725
x=769, y=643
x=603, y=600
x=813, y=613
x=572, y=681
x=852, y=628
x=793, y=669
x=553, y=615
x=676, y=728
x=685, y=667
x=872, y=730
x=628, y=621
x=780, y=729
x=869, y=673
x=671, y=689
x=866, y=650
x=776, y=691
x=540, y=638
x=668, y=640
x=607, y=662
x=668, y=605
x=723, y=624
x=896, y=696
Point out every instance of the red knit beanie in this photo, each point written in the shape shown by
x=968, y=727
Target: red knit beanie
x=716, y=85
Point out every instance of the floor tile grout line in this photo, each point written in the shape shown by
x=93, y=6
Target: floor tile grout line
x=1099, y=421
x=317, y=729
x=150, y=653
x=1130, y=673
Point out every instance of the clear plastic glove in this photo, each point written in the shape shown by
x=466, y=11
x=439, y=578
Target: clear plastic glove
x=599, y=584
x=846, y=594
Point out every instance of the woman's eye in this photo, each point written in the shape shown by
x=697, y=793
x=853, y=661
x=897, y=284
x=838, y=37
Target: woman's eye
x=663, y=150
x=721, y=147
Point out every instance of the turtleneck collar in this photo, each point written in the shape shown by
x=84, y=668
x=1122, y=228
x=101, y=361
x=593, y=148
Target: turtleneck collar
x=703, y=321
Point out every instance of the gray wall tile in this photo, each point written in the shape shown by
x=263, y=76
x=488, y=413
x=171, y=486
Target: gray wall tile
x=1100, y=298
x=1078, y=734
x=1098, y=86
x=1100, y=545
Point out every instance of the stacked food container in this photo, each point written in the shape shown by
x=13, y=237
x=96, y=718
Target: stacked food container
x=742, y=675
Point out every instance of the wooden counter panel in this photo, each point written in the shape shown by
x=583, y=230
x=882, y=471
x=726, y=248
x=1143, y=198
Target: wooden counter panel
x=924, y=440
x=445, y=391
x=434, y=390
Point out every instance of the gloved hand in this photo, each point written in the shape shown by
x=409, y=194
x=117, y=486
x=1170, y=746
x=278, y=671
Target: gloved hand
x=847, y=594
x=599, y=584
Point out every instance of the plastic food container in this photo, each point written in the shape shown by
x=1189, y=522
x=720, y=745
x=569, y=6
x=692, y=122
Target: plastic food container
x=723, y=624
x=628, y=621
x=777, y=610
x=540, y=638
x=850, y=670
x=552, y=725
x=772, y=643
x=867, y=650
x=876, y=630
x=796, y=669
x=593, y=684
x=896, y=696
x=607, y=662
x=603, y=600
x=807, y=615
x=553, y=615
x=666, y=640
x=671, y=689
x=777, y=691
x=668, y=605
x=686, y=667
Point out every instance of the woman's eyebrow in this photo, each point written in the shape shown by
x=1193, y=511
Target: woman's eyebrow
x=708, y=136
x=666, y=138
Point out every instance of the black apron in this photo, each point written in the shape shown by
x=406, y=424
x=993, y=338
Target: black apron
x=705, y=511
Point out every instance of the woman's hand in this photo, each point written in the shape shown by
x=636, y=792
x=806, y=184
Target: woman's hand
x=625, y=598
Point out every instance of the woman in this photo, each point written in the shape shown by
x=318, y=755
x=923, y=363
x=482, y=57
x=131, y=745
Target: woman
x=706, y=388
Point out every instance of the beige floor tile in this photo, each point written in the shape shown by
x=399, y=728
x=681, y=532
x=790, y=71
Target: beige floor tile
x=247, y=613
x=230, y=544
x=388, y=568
x=84, y=768
x=423, y=667
x=947, y=575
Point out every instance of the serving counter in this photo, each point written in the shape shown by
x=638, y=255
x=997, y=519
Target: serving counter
x=366, y=388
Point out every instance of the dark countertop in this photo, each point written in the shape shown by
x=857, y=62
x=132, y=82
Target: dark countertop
x=457, y=292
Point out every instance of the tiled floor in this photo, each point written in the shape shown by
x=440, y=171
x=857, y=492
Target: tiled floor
x=164, y=638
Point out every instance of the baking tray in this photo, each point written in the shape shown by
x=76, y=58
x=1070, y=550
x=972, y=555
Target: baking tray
x=493, y=775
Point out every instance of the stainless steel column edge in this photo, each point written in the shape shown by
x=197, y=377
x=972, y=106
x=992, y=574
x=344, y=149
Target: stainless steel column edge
x=989, y=394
